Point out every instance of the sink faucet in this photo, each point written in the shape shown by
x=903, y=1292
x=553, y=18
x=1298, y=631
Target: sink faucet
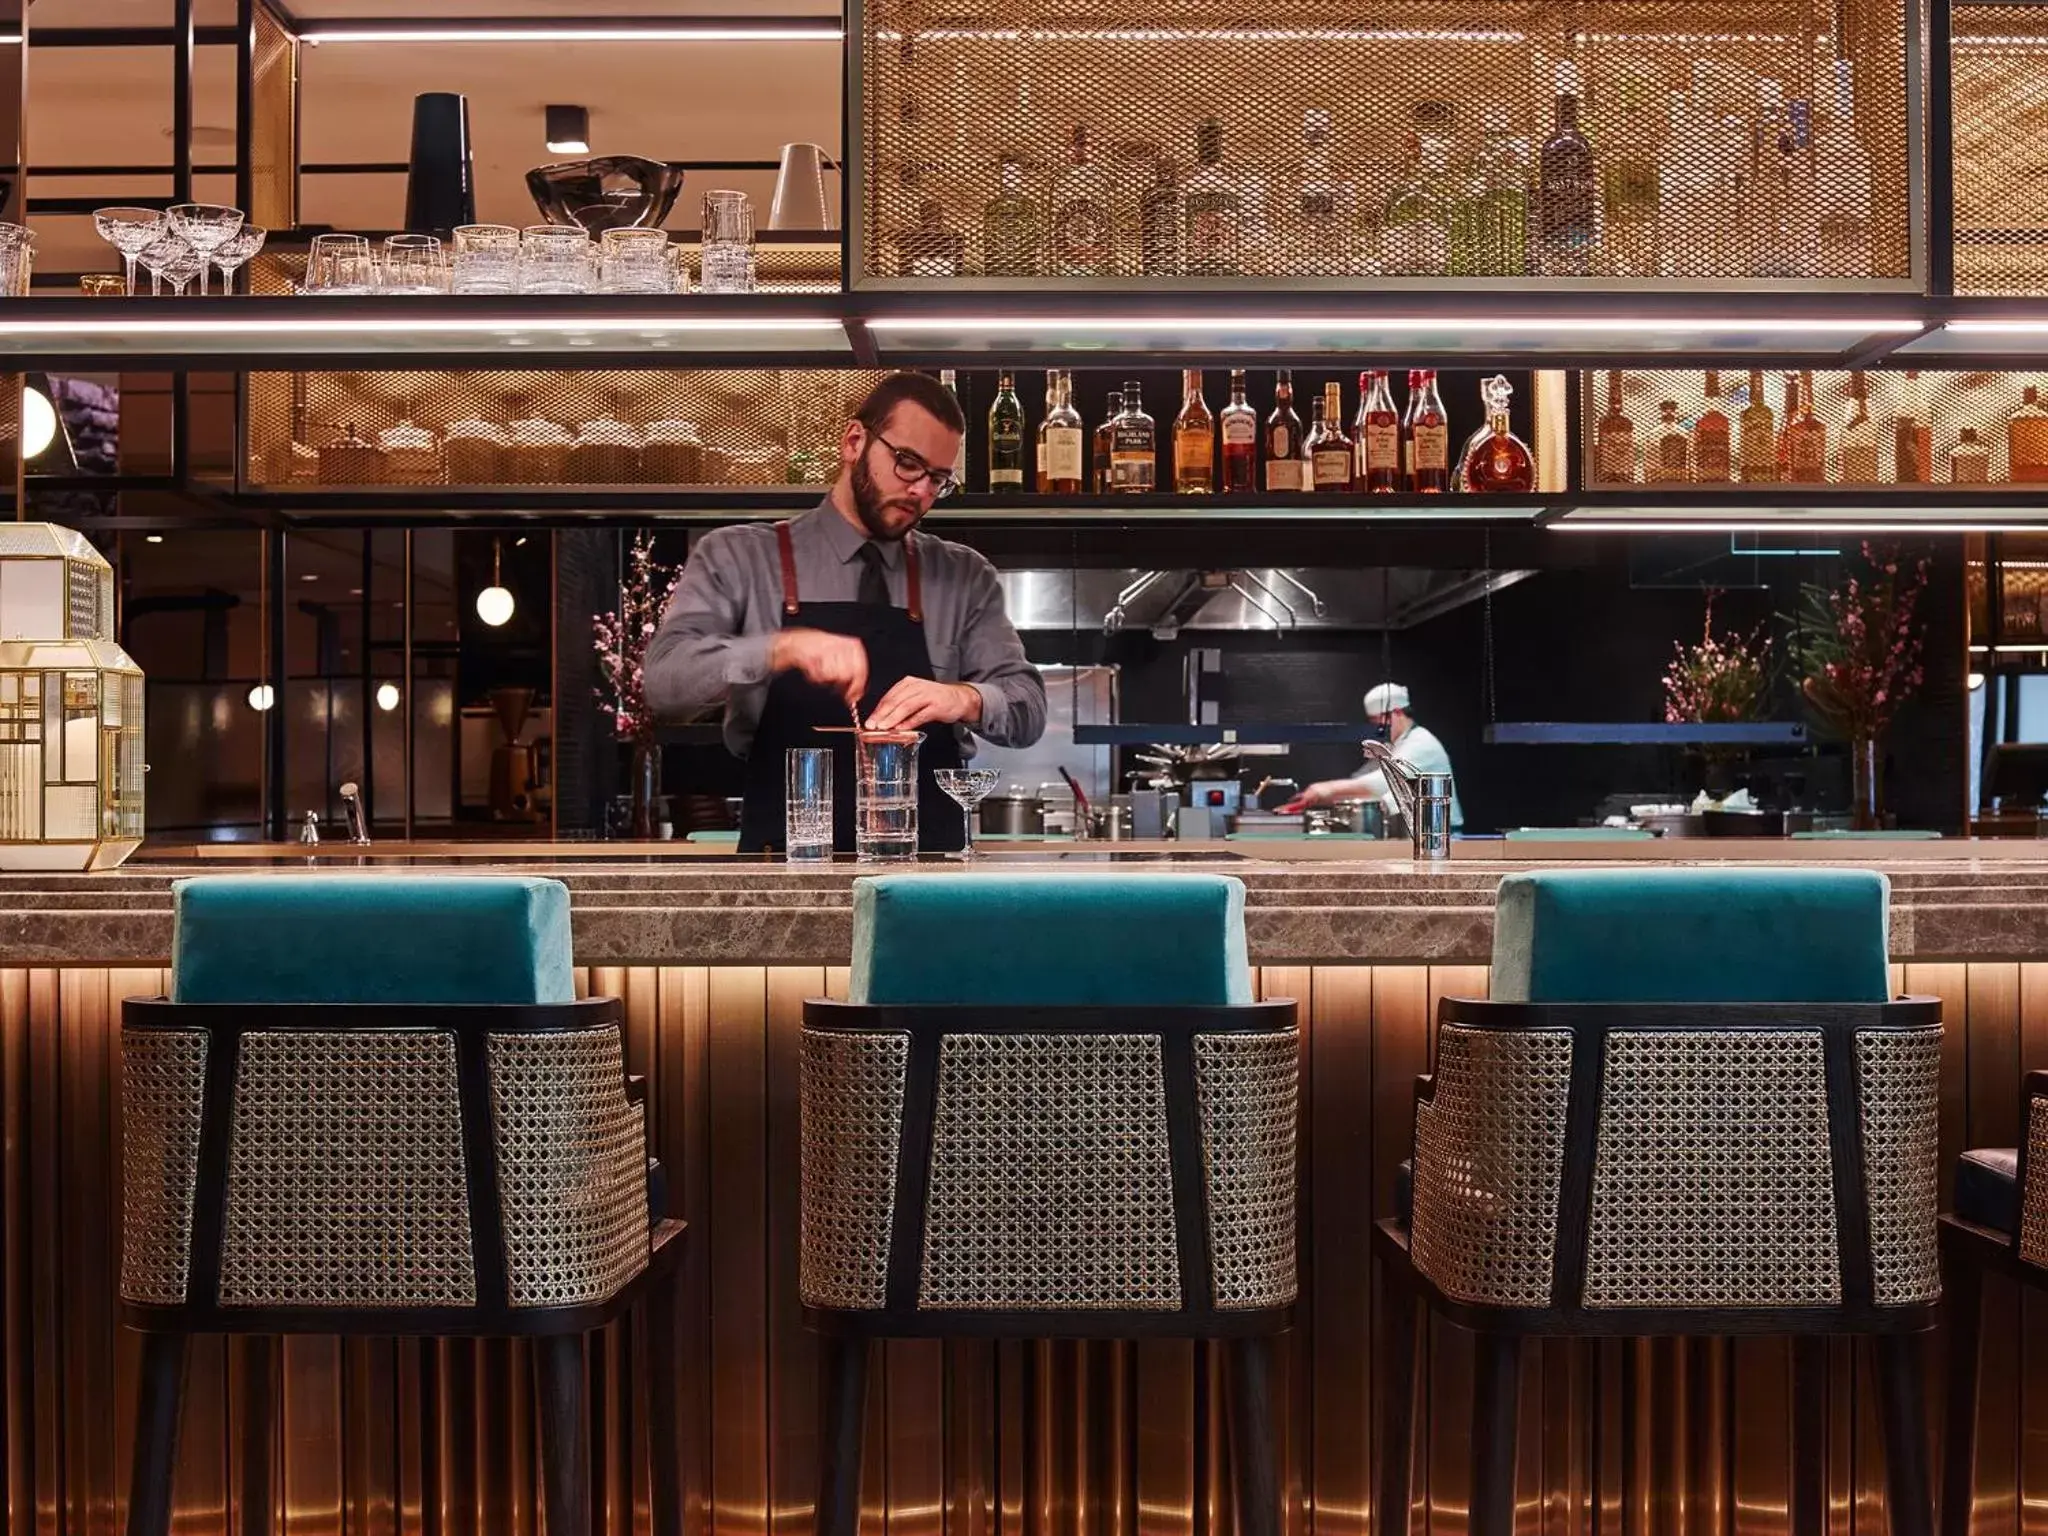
x=1425, y=800
x=352, y=809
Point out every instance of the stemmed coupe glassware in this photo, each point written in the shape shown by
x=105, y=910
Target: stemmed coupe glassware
x=206, y=227
x=966, y=788
x=236, y=253
x=171, y=258
x=129, y=231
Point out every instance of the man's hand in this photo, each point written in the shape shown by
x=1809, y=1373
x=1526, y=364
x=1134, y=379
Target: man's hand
x=916, y=701
x=838, y=662
x=1328, y=792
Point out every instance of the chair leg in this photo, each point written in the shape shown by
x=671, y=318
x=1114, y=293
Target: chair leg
x=1496, y=1394
x=1257, y=1477
x=259, y=1359
x=1809, y=1434
x=1397, y=1405
x=156, y=1434
x=842, y=1407
x=1962, y=1298
x=664, y=1411
x=564, y=1433
x=1902, y=1400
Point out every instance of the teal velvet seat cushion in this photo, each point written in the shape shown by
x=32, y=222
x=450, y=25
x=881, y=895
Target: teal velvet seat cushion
x=371, y=939
x=1692, y=936
x=1050, y=940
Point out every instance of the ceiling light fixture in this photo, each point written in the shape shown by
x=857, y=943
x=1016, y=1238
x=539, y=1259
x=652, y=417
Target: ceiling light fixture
x=319, y=32
x=568, y=129
x=261, y=697
x=153, y=538
x=387, y=697
x=494, y=604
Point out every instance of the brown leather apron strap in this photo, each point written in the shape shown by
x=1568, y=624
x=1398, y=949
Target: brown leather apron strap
x=782, y=543
x=914, y=580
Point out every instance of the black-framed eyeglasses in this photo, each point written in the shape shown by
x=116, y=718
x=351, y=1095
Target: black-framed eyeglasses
x=911, y=468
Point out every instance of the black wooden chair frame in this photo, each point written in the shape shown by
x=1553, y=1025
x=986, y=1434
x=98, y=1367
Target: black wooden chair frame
x=1247, y=1333
x=648, y=1301
x=1499, y=1331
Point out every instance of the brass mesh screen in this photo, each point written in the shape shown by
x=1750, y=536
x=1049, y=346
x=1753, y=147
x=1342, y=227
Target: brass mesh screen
x=736, y=427
x=274, y=89
x=1946, y=402
x=949, y=91
x=2000, y=82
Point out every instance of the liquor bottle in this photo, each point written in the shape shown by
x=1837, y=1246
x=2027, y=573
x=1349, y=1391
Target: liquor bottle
x=1785, y=427
x=1806, y=435
x=1194, y=439
x=1912, y=437
x=1284, y=463
x=1841, y=177
x=1669, y=461
x=1133, y=446
x=951, y=382
x=1160, y=252
x=1059, y=441
x=1497, y=463
x=1083, y=223
x=1710, y=463
x=1323, y=241
x=2026, y=439
x=1490, y=214
x=1012, y=226
x=1105, y=435
x=1859, y=435
x=1415, y=235
x=1757, y=440
x=1215, y=212
x=1567, y=208
x=1969, y=462
x=1631, y=189
x=934, y=248
x=1425, y=437
x=1240, y=432
x=1376, y=437
x=1006, y=439
x=1614, y=440
x=1766, y=212
x=1329, y=447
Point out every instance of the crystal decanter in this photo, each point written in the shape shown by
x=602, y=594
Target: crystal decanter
x=1497, y=463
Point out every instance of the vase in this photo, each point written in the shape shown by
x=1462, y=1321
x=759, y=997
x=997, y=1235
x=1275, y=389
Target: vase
x=1866, y=790
x=644, y=785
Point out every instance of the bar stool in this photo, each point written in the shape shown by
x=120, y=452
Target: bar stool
x=1051, y=1110
x=373, y=1106
x=1688, y=1110
x=1999, y=1226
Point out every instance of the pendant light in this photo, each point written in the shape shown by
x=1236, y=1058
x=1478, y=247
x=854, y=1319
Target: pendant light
x=494, y=604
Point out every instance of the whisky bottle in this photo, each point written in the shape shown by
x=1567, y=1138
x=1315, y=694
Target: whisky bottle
x=1912, y=437
x=1631, y=187
x=1415, y=235
x=1489, y=215
x=1614, y=442
x=1859, y=435
x=1283, y=446
x=951, y=383
x=1317, y=205
x=1425, y=437
x=1059, y=441
x=934, y=248
x=1012, y=226
x=1240, y=431
x=1669, y=461
x=1105, y=436
x=2026, y=440
x=1006, y=440
x=1329, y=448
x=1160, y=251
x=1969, y=462
x=1194, y=439
x=1497, y=463
x=1758, y=443
x=1376, y=437
x=1133, y=447
x=1807, y=437
x=1214, y=210
x=1710, y=463
x=1567, y=193
x=1083, y=223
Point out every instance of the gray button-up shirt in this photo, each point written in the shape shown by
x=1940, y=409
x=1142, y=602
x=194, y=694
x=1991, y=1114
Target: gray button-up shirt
x=713, y=643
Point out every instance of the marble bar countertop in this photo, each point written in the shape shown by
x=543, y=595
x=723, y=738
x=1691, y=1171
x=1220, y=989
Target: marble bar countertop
x=1979, y=902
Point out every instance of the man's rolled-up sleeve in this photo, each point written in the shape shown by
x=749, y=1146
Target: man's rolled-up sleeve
x=992, y=659
x=700, y=653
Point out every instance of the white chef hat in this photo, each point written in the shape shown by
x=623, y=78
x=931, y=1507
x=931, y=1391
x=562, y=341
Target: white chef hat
x=1385, y=699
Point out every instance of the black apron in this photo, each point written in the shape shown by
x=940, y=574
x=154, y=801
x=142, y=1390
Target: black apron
x=796, y=707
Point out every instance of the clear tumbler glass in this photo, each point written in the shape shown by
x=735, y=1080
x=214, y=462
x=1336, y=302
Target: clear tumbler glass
x=807, y=806
x=885, y=796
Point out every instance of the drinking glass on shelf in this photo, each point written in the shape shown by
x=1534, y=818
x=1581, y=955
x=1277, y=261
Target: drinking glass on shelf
x=967, y=788
x=634, y=261
x=339, y=264
x=237, y=253
x=726, y=260
x=554, y=258
x=807, y=806
x=486, y=259
x=170, y=258
x=414, y=264
x=128, y=230
x=102, y=285
x=206, y=228
x=17, y=257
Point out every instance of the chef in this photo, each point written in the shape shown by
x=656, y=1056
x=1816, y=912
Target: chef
x=1387, y=711
x=795, y=625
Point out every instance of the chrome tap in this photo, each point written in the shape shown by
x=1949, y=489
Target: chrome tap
x=310, y=831
x=352, y=809
x=1425, y=800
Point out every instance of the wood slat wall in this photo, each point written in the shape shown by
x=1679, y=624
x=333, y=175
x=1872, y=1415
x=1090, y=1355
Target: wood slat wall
x=966, y=1439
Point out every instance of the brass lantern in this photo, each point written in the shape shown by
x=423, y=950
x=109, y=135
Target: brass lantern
x=70, y=708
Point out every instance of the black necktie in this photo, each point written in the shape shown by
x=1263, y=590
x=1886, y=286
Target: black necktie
x=874, y=582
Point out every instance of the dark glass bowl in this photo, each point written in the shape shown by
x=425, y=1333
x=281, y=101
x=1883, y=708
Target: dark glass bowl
x=605, y=192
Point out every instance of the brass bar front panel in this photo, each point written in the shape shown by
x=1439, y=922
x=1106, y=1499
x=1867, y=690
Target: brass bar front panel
x=964, y=1439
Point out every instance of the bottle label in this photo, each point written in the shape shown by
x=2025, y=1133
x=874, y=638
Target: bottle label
x=2027, y=450
x=1809, y=456
x=1283, y=474
x=1132, y=466
x=1710, y=456
x=1279, y=443
x=1672, y=462
x=1617, y=456
x=1193, y=449
x=1063, y=453
x=1240, y=430
x=1431, y=447
x=1333, y=466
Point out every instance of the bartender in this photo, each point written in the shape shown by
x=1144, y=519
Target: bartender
x=798, y=625
x=1387, y=712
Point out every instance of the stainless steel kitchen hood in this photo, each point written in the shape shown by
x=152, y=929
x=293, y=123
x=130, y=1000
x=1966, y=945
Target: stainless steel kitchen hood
x=1270, y=599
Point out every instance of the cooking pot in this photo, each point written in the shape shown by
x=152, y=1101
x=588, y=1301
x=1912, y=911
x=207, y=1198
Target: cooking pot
x=1013, y=813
